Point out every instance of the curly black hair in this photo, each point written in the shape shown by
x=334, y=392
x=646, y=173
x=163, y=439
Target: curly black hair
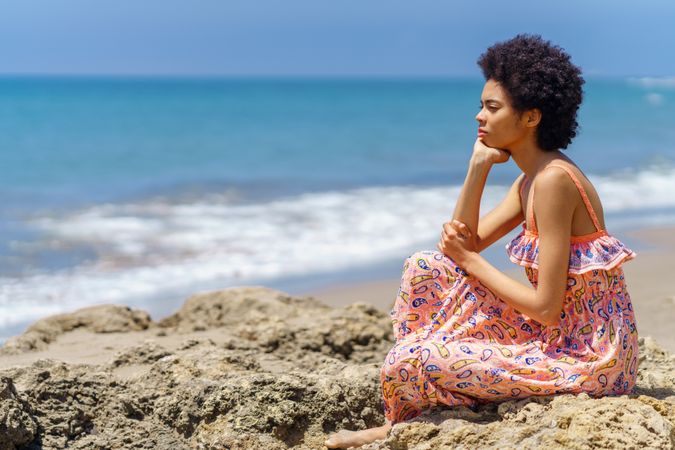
x=538, y=74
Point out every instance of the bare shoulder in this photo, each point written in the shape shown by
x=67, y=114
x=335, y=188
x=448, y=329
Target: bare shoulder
x=555, y=200
x=553, y=182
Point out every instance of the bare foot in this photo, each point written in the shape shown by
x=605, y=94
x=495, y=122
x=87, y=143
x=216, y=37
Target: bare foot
x=348, y=439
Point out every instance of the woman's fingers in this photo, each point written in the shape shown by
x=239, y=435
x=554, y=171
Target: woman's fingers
x=461, y=228
x=446, y=228
x=452, y=229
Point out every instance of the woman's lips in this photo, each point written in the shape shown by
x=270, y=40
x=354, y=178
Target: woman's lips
x=481, y=133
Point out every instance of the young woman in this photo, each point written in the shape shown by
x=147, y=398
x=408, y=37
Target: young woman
x=465, y=332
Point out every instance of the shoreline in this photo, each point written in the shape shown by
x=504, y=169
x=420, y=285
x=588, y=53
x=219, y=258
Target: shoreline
x=650, y=286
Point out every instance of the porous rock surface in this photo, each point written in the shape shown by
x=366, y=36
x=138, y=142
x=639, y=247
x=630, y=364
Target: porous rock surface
x=283, y=372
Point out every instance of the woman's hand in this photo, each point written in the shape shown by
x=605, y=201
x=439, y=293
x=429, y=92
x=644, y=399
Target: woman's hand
x=457, y=242
x=490, y=155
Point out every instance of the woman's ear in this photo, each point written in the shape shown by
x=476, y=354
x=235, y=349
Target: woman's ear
x=532, y=117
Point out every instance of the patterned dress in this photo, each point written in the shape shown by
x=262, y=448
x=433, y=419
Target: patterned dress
x=457, y=343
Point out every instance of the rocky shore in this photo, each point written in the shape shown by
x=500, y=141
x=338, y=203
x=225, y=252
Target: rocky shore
x=253, y=368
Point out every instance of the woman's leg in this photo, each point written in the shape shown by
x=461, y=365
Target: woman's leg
x=410, y=381
x=427, y=278
x=426, y=281
x=461, y=358
x=425, y=300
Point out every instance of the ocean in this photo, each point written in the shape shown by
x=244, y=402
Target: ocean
x=143, y=191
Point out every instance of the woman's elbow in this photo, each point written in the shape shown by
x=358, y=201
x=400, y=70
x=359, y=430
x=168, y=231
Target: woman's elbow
x=549, y=307
x=551, y=317
x=481, y=244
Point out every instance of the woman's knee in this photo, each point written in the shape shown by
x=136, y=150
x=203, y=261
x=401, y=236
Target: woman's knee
x=431, y=256
x=423, y=262
x=424, y=266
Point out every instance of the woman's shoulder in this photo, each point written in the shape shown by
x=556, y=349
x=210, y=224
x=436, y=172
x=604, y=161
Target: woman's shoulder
x=565, y=175
x=550, y=183
x=562, y=166
x=562, y=162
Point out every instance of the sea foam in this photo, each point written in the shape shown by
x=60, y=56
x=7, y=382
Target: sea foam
x=156, y=248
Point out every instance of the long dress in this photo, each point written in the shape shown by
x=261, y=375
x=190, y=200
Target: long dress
x=457, y=343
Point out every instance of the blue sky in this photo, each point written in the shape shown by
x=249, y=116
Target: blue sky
x=319, y=38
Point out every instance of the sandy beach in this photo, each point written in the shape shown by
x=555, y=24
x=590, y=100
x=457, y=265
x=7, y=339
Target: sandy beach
x=251, y=367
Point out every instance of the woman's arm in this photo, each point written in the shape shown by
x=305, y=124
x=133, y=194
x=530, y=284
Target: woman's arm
x=467, y=209
x=554, y=212
x=468, y=204
x=503, y=218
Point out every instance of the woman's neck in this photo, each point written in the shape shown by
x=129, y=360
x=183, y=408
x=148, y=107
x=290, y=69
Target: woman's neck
x=531, y=160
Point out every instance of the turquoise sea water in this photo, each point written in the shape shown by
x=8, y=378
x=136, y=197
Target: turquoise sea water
x=141, y=191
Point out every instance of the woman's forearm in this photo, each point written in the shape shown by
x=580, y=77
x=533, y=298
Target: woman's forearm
x=467, y=209
x=521, y=297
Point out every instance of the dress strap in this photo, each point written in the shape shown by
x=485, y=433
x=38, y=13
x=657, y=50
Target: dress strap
x=582, y=191
x=522, y=184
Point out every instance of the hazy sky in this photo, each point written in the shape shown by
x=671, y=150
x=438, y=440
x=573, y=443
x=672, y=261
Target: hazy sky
x=314, y=37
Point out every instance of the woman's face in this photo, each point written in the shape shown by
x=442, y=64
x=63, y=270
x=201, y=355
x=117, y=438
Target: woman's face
x=498, y=119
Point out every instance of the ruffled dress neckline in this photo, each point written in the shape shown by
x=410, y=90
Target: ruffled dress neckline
x=594, y=251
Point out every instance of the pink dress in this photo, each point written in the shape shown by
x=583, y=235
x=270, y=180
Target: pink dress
x=457, y=343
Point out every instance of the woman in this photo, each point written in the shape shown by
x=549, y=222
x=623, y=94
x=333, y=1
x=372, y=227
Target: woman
x=468, y=334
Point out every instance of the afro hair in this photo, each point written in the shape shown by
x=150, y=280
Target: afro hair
x=538, y=74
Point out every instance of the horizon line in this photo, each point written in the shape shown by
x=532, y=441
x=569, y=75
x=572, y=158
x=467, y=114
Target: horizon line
x=290, y=77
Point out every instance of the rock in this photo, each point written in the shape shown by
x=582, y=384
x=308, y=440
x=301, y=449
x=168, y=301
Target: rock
x=279, y=372
x=656, y=376
x=99, y=319
x=17, y=424
x=239, y=305
x=564, y=421
x=84, y=407
x=144, y=353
